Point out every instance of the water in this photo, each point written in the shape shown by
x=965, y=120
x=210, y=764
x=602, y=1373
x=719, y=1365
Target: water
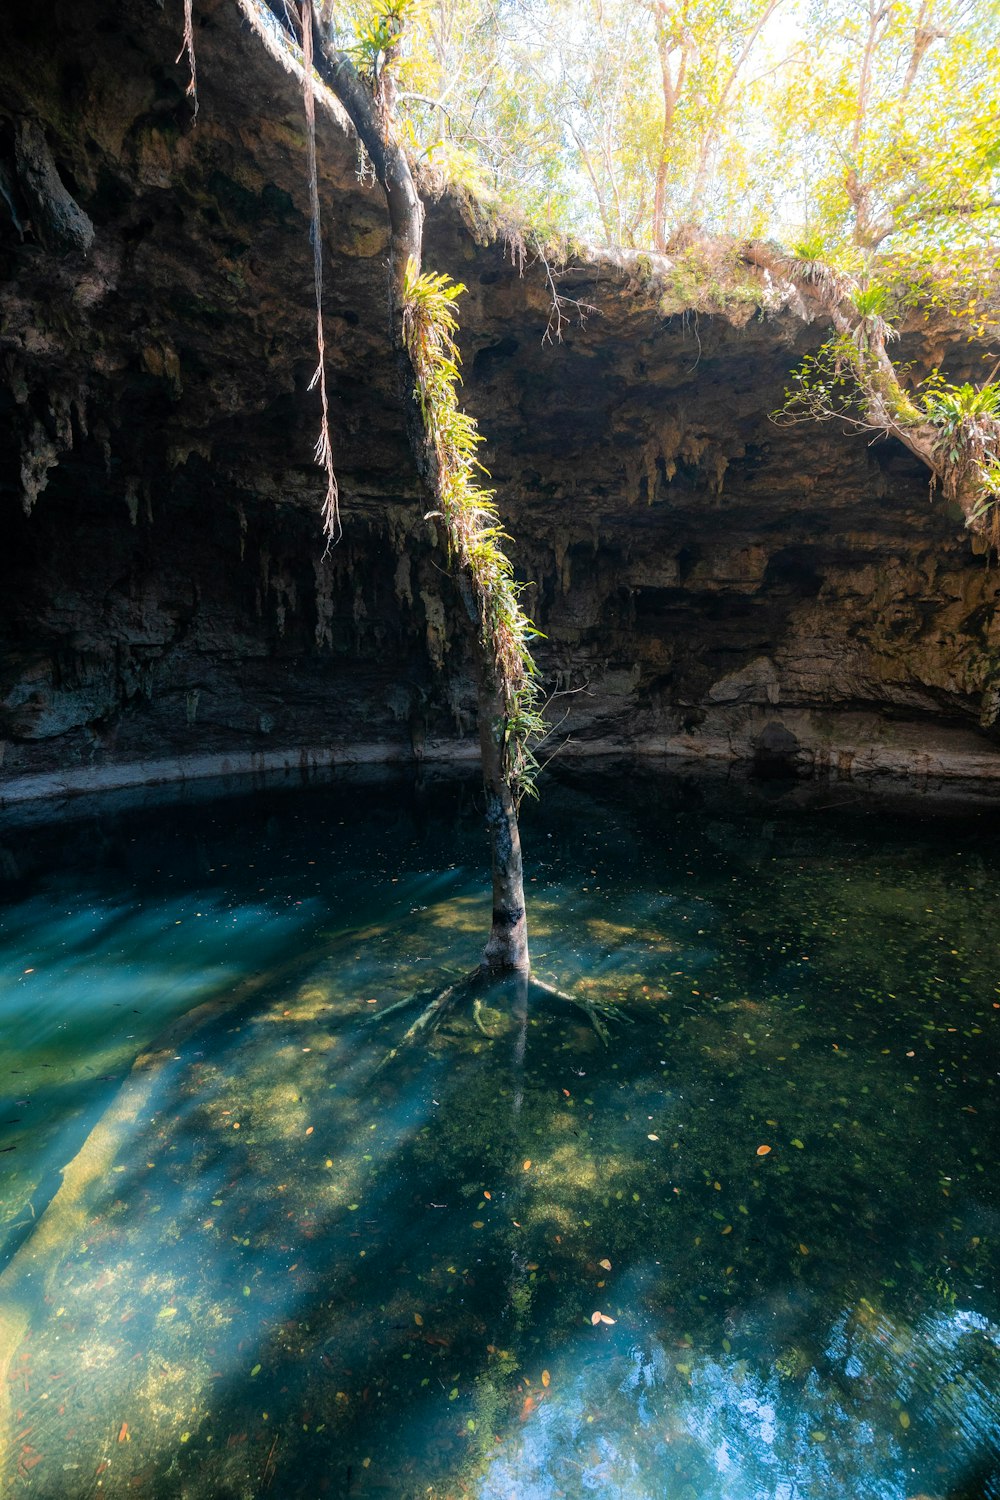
x=280, y=1265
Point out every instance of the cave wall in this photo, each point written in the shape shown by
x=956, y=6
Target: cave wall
x=709, y=583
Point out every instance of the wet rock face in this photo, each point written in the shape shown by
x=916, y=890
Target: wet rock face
x=709, y=583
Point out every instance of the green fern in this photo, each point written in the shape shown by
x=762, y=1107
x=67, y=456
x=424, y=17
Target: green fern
x=472, y=524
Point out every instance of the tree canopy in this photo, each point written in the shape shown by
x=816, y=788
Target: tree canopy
x=861, y=125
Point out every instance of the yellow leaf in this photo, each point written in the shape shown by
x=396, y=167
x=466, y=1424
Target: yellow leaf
x=605, y=1263
x=418, y=1320
x=546, y=1378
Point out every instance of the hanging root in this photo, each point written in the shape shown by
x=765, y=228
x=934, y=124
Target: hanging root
x=188, y=47
x=602, y=1014
x=323, y=451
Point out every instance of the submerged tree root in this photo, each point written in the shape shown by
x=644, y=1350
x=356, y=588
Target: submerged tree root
x=601, y=1014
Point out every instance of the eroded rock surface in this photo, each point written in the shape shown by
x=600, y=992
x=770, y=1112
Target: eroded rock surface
x=708, y=583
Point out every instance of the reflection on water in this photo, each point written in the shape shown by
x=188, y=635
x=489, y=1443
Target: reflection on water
x=749, y=1252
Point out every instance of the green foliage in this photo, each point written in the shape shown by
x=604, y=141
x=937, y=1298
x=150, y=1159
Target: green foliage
x=838, y=127
x=967, y=418
x=377, y=30
x=472, y=524
x=810, y=249
x=823, y=386
x=708, y=278
x=950, y=407
x=870, y=301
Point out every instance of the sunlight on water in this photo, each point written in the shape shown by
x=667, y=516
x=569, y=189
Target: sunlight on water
x=748, y=1252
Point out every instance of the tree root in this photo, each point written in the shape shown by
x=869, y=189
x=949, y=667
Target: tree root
x=477, y=1016
x=430, y=1017
x=603, y=1015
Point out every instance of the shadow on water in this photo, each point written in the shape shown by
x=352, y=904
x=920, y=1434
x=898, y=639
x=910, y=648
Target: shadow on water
x=299, y=1274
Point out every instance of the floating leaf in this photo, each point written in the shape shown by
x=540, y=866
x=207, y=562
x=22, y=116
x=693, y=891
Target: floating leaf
x=418, y=1320
x=123, y=1436
x=310, y=1130
x=803, y=1249
x=652, y=1137
x=797, y=1144
x=605, y=1319
x=606, y=1264
x=486, y=1194
x=255, y=1372
x=595, y=1318
x=904, y=1419
x=527, y=1165
x=546, y=1378
x=763, y=1150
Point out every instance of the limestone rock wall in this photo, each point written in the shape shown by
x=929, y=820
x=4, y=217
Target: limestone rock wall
x=709, y=583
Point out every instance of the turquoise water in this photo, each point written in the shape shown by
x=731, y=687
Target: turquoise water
x=284, y=1263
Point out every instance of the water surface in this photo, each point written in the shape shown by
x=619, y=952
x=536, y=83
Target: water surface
x=281, y=1265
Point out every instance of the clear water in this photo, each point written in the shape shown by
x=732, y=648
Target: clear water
x=281, y=1266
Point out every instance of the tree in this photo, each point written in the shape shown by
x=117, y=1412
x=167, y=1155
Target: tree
x=954, y=430
x=894, y=108
x=702, y=51
x=444, y=441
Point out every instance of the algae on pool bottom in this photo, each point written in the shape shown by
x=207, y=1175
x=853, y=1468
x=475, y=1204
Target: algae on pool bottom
x=274, y=1267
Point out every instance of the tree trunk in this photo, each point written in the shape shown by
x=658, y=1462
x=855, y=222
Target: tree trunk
x=507, y=948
